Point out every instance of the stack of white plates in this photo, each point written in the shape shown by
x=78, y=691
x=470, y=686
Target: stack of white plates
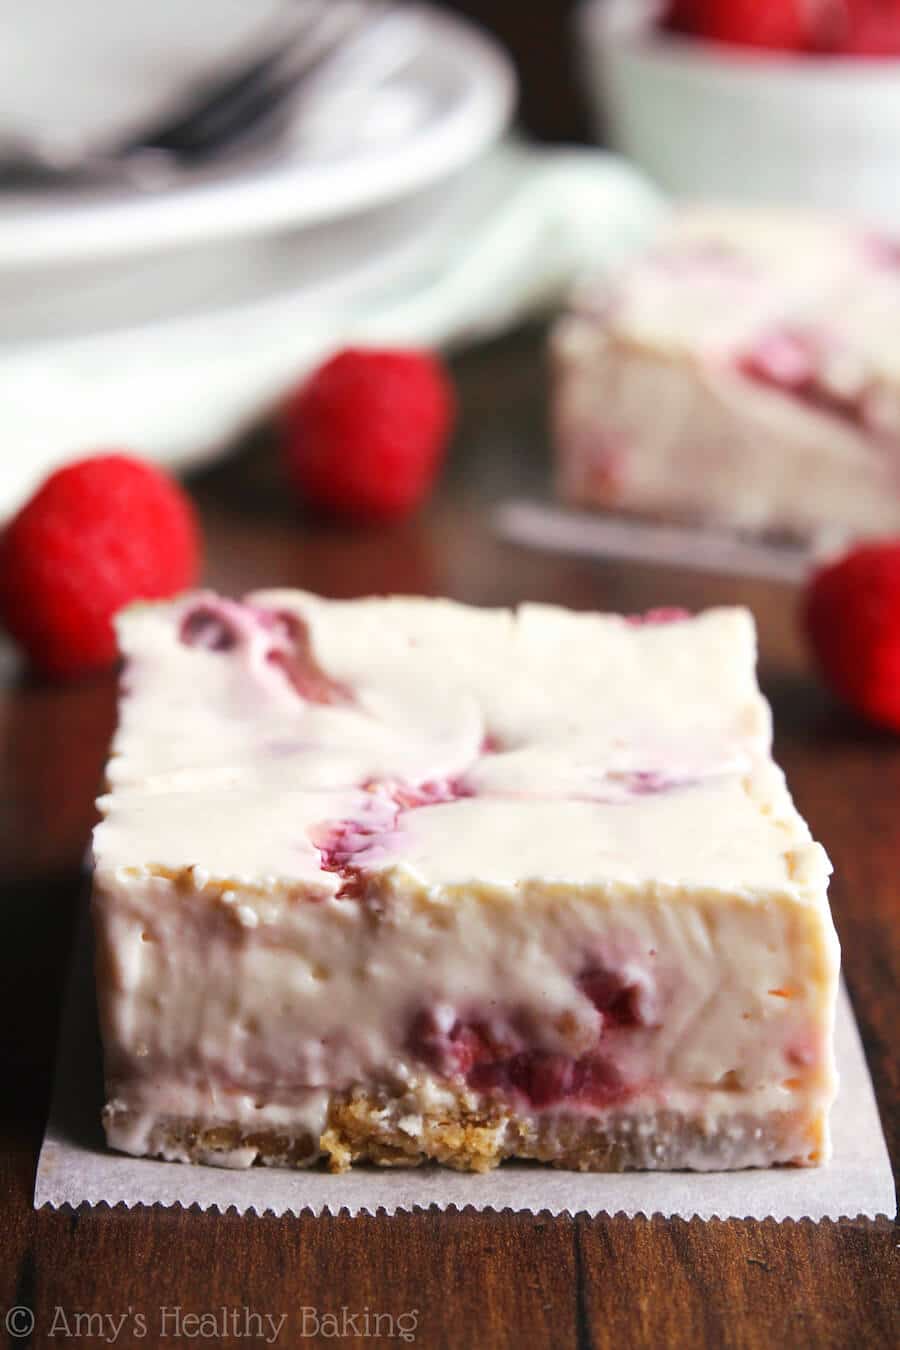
x=165, y=319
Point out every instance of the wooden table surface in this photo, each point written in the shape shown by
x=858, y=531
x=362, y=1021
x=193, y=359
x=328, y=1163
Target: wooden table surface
x=475, y=1280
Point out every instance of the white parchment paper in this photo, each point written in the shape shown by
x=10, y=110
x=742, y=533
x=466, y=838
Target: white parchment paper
x=74, y=1167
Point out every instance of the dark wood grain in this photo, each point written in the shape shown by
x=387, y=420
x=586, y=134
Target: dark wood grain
x=540, y=36
x=476, y=1280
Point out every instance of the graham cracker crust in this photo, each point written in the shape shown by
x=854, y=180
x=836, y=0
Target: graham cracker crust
x=368, y=1127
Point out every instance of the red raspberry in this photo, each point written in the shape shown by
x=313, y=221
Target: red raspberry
x=870, y=28
x=781, y=25
x=541, y=1076
x=617, y=1001
x=852, y=616
x=365, y=435
x=98, y=534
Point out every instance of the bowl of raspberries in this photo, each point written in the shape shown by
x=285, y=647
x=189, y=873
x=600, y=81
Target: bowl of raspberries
x=788, y=101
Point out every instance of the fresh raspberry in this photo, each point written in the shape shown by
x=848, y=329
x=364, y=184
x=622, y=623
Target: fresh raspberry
x=869, y=28
x=780, y=25
x=98, y=534
x=365, y=435
x=852, y=616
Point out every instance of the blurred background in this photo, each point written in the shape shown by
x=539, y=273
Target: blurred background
x=541, y=41
x=198, y=202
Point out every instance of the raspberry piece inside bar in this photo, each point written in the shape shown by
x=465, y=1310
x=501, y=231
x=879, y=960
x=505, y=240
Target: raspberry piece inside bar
x=449, y=884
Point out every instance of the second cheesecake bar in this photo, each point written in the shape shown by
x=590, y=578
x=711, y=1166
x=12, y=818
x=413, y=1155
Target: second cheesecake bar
x=744, y=372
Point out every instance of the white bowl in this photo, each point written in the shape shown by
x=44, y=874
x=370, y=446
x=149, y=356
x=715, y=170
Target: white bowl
x=708, y=121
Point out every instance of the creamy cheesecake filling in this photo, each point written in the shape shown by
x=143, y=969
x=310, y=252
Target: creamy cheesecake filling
x=580, y=893
x=665, y=1011
x=612, y=995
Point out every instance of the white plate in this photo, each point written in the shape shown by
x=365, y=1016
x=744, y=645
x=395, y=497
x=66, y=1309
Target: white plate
x=82, y=73
x=332, y=263
x=176, y=358
x=450, y=104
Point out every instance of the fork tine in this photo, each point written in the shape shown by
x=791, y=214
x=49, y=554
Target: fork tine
x=181, y=128
x=218, y=108
x=262, y=105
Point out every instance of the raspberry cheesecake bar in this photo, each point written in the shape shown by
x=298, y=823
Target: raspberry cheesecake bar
x=745, y=371
x=399, y=879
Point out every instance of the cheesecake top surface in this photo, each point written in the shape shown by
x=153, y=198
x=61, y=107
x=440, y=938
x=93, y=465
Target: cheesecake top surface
x=289, y=739
x=719, y=282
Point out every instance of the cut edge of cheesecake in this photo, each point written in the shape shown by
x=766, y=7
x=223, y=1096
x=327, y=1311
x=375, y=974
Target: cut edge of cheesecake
x=148, y=912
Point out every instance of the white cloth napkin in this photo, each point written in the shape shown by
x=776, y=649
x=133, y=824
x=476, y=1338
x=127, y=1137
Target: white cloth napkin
x=528, y=222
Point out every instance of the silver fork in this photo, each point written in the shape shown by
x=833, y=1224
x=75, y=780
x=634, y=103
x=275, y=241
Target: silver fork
x=240, y=109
